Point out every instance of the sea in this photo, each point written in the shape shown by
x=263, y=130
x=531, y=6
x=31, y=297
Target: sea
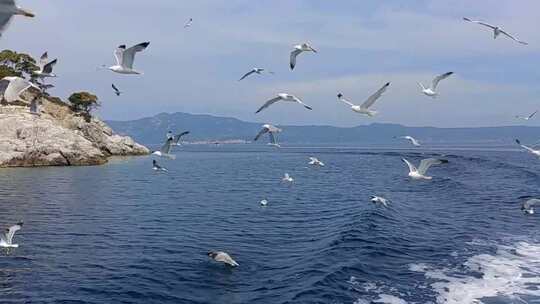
x=124, y=233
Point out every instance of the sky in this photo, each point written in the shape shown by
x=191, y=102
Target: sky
x=361, y=45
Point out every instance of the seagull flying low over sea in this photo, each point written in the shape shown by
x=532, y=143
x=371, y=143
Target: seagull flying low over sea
x=220, y=256
x=254, y=71
x=45, y=67
x=8, y=8
x=176, y=138
x=16, y=87
x=125, y=57
x=496, y=30
x=157, y=167
x=420, y=173
x=284, y=97
x=270, y=129
x=297, y=50
x=165, y=150
x=529, y=149
x=379, y=200
x=287, y=178
x=363, y=108
x=431, y=90
x=413, y=140
x=528, y=205
x=527, y=117
x=116, y=90
x=315, y=162
x=6, y=239
x=188, y=23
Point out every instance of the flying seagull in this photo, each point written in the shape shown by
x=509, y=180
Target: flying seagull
x=16, y=87
x=379, y=200
x=284, y=97
x=297, y=50
x=45, y=67
x=363, y=108
x=315, y=162
x=527, y=117
x=420, y=173
x=528, y=206
x=188, y=23
x=6, y=238
x=529, y=149
x=220, y=256
x=287, y=178
x=496, y=30
x=8, y=8
x=125, y=58
x=270, y=129
x=413, y=140
x=157, y=167
x=254, y=71
x=165, y=149
x=116, y=90
x=431, y=90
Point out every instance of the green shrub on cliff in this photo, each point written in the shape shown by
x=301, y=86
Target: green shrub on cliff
x=83, y=103
x=16, y=64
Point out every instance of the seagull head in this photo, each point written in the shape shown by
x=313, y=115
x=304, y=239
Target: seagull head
x=339, y=95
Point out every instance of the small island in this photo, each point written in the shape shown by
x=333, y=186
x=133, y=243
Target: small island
x=59, y=133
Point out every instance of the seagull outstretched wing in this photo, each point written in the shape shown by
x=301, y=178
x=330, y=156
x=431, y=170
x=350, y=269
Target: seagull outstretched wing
x=513, y=38
x=292, y=62
x=247, y=74
x=439, y=78
x=268, y=103
x=128, y=56
x=371, y=100
x=428, y=162
x=412, y=168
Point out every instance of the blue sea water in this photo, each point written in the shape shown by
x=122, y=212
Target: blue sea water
x=122, y=233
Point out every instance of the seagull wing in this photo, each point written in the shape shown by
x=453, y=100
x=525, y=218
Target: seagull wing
x=129, y=54
x=166, y=148
x=428, y=162
x=119, y=54
x=513, y=38
x=179, y=136
x=16, y=86
x=43, y=59
x=529, y=203
x=342, y=99
x=5, y=17
x=261, y=133
x=272, y=138
x=301, y=102
x=115, y=88
x=439, y=78
x=531, y=116
x=412, y=168
x=480, y=22
x=11, y=232
x=247, y=74
x=371, y=100
x=49, y=66
x=294, y=53
x=268, y=103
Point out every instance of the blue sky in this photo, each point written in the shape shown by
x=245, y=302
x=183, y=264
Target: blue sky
x=361, y=44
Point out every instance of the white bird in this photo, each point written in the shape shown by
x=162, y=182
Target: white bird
x=16, y=86
x=220, y=256
x=188, y=23
x=529, y=149
x=496, y=30
x=8, y=8
x=420, y=173
x=287, y=178
x=264, y=203
x=413, y=140
x=527, y=117
x=284, y=97
x=165, y=150
x=315, y=162
x=45, y=67
x=431, y=90
x=271, y=130
x=6, y=238
x=297, y=50
x=125, y=58
x=528, y=206
x=379, y=200
x=254, y=71
x=364, y=108
x=116, y=90
x=157, y=167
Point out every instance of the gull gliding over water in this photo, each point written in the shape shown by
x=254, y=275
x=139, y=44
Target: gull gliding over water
x=413, y=140
x=315, y=162
x=527, y=117
x=496, y=30
x=16, y=87
x=220, y=256
x=431, y=90
x=287, y=178
x=125, y=57
x=297, y=50
x=283, y=97
x=6, y=238
x=379, y=200
x=363, y=108
x=529, y=149
x=528, y=205
x=420, y=173
x=254, y=71
x=8, y=8
x=270, y=129
x=166, y=149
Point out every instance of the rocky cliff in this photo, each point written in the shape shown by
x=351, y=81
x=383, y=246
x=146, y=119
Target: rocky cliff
x=56, y=136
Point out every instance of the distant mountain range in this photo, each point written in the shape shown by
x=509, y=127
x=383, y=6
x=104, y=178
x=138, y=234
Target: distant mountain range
x=151, y=131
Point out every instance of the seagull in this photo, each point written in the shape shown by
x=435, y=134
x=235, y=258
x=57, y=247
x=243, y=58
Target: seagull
x=287, y=178
x=431, y=90
x=419, y=173
x=125, y=58
x=157, y=167
x=528, y=205
x=496, y=30
x=8, y=8
x=527, y=117
x=315, y=162
x=284, y=97
x=220, y=256
x=45, y=67
x=270, y=129
x=363, y=108
x=165, y=149
x=531, y=150
x=188, y=23
x=254, y=71
x=264, y=203
x=379, y=200
x=116, y=90
x=6, y=238
x=16, y=87
x=413, y=140
x=297, y=50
